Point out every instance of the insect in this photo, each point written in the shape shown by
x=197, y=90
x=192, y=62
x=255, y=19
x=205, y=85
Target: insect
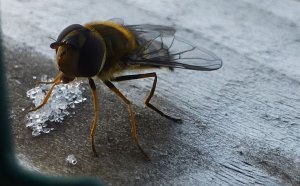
x=103, y=50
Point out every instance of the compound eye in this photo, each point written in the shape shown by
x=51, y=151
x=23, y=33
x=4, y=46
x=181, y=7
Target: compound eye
x=72, y=43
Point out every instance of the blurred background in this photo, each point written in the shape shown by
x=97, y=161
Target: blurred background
x=241, y=123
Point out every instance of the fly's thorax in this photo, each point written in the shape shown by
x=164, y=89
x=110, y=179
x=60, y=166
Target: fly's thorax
x=118, y=35
x=111, y=69
x=119, y=42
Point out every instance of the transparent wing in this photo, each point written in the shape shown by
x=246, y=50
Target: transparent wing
x=150, y=30
x=159, y=47
x=119, y=21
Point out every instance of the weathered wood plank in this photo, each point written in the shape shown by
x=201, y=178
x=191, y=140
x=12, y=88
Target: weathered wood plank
x=241, y=123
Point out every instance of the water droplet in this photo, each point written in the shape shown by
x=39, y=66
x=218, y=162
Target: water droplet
x=44, y=78
x=72, y=105
x=28, y=125
x=46, y=130
x=17, y=81
x=36, y=132
x=71, y=159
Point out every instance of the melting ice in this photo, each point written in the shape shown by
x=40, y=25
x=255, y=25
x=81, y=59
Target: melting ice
x=63, y=97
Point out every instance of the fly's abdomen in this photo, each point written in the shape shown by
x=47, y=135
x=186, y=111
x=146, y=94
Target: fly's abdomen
x=156, y=51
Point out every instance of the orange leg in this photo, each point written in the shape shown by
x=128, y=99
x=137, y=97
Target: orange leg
x=132, y=120
x=44, y=82
x=55, y=82
x=147, y=101
x=96, y=111
x=50, y=82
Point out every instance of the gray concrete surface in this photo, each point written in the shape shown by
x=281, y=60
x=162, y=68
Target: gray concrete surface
x=241, y=123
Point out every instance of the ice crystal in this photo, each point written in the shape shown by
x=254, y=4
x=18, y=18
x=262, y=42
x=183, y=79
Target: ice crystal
x=63, y=98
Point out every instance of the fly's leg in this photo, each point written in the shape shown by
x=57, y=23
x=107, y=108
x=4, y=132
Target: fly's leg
x=132, y=120
x=147, y=101
x=50, y=82
x=96, y=112
x=55, y=82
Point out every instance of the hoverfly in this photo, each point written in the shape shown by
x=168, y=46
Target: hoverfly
x=102, y=50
